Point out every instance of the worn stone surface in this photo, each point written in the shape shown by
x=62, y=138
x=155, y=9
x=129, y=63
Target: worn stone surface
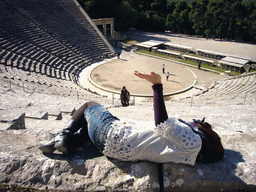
x=22, y=163
x=235, y=124
x=80, y=171
x=78, y=174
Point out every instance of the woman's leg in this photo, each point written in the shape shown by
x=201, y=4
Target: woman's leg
x=66, y=141
x=79, y=114
x=69, y=139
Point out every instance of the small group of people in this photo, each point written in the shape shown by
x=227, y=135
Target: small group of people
x=167, y=140
x=125, y=97
x=167, y=73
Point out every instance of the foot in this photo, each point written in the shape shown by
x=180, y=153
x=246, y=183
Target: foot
x=48, y=146
x=61, y=141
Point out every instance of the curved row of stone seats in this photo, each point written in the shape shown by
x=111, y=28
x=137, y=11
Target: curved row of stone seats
x=44, y=16
x=29, y=57
x=35, y=82
x=33, y=39
x=94, y=40
x=238, y=169
x=36, y=100
x=235, y=85
x=212, y=101
x=231, y=91
x=19, y=61
x=49, y=37
x=31, y=61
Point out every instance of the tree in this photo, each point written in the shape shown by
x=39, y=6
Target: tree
x=160, y=7
x=178, y=20
x=249, y=22
x=213, y=18
x=232, y=19
x=98, y=8
x=125, y=16
x=197, y=15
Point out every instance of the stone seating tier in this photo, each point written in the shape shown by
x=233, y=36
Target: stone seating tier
x=70, y=44
x=36, y=66
x=237, y=163
x=52, y=104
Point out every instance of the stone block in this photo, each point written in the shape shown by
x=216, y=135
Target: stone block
x=221, y=176
x=77, y=173
x=37, y=114
x=14, y=119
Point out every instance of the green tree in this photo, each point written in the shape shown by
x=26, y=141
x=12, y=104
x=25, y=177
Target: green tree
x=170, y=7
x=197, y=15
x=160, y=7
x=232, y=19
x=178, y=20
x=213, y=18
x=249, y=22
x=98, y=8
x=125, y=16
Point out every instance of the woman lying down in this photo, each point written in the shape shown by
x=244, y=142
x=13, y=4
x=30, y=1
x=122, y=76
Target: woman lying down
x=171, y=140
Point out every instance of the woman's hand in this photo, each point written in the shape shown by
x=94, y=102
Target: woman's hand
x=153, y=77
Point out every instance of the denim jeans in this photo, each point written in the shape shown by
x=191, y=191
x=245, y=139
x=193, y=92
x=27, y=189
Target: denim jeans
x=99, y=122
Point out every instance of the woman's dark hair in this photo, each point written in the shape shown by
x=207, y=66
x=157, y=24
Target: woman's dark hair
x=212, y=149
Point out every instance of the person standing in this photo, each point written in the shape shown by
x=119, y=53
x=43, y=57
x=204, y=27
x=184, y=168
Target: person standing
x=199, y=65
x=124, y=96
x=118, y=55
x=167, y=76
x=128, y=98
x=163, y=68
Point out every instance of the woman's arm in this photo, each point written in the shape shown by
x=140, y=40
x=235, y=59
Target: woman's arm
x=160, y=112
x=152, y=77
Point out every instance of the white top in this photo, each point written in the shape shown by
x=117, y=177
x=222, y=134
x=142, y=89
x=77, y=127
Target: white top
x=171, y=141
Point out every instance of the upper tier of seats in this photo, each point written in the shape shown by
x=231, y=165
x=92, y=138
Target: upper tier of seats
x=55, y=38
x=231, y=91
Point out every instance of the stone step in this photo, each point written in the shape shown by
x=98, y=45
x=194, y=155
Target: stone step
x=14, y=119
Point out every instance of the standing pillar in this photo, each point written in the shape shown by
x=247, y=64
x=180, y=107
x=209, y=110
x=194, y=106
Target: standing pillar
x=105, y=29
x=112, y=29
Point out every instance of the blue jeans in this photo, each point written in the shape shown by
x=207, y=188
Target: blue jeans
x=99, y=122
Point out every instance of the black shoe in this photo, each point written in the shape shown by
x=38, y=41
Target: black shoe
x=64, y=141
x=48, y=146
x=61, y=141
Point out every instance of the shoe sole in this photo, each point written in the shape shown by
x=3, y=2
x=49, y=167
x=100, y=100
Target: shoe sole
x=61, y=149
x=47, y=149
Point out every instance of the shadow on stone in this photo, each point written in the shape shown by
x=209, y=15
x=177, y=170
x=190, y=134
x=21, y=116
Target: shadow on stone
x=89, y=151
x=219, y=176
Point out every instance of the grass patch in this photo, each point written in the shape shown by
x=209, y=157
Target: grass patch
x=127, y=40
x=215, y=68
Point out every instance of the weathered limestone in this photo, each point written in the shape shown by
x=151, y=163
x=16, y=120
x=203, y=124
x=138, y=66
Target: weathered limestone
x=78, y=173
x=14, y=119
x=226, y=175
